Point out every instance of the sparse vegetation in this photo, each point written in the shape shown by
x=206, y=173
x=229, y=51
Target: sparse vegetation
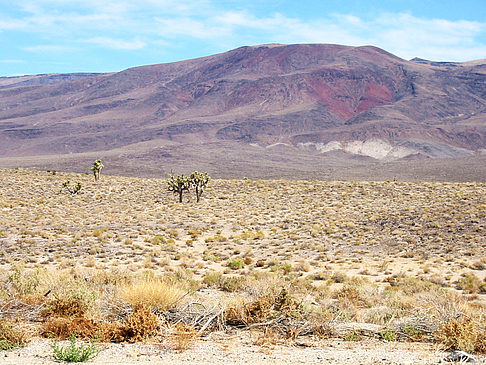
x=390, y=260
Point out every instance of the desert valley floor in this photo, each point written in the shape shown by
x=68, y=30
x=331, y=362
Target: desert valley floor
x=281, y=265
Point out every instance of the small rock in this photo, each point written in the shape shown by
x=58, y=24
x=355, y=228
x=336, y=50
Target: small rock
x=460, y=356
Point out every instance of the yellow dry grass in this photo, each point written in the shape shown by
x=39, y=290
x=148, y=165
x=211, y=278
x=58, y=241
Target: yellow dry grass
x=151, y=292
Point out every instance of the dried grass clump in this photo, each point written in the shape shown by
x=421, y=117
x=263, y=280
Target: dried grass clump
x=462, y=334
x=139, y=325
x=263, y=309
x=66, y=307
x=350, y=296
x=24, y=281
x=184, y=337
x=64, y=328
x=153, y=293
x=11, y=337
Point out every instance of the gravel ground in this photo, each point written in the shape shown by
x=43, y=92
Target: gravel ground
x=239, y=349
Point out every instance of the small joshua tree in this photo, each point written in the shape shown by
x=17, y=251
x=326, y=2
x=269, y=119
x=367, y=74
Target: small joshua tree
x=96, y=168
x=199, y=180
x=178, y=184
x=72, y=190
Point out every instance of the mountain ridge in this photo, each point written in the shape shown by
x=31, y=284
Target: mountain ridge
x=320, y=102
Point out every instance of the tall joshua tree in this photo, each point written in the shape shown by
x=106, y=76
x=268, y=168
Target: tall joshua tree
x=96, y=168
x=178, y=184
x=199, y=180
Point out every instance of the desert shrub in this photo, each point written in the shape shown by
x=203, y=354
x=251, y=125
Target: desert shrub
x=75, y=352
x=73, y=190
x=470, y=283
x=410, y=285
x=350, y=295
x=151, y=292
x=264, y=308
x=183, y=337
x=231, y=284
x=260, y=263
x=413, y=332
x=353, y=335
x=11, y=337
x=157, y=240
x=235, y=264
x=462, y=334
x=114, y=277
x=139, y=325
x=24, y=281
x=212, y=279
x=388, y=335
x=75, y=301
x=322, y=329
x=339, y=277
x=64, y=328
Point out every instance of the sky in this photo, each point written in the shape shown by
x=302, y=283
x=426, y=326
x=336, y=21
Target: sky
x=58, y=36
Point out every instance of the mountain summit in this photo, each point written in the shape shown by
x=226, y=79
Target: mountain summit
x=270, y=107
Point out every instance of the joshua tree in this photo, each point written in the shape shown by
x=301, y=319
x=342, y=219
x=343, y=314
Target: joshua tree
x=199, y=180
x=72, y=190
x=178, y=184
x=96, y=168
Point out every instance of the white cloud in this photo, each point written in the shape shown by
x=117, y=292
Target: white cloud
x=189, y=27
x=134, y=25
x=11, y=24
x=12, y=61
x=116, y=43
x=48, y=48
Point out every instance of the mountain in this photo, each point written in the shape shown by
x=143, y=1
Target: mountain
x=267, y=111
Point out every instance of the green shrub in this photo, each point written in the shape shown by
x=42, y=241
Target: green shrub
x=75, y=352
x=231, y=284
x=235, y=264
x=470, y=283
x=388, y=335
x=25, y=282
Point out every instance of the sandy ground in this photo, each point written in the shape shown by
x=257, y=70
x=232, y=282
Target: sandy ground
x=239, y=349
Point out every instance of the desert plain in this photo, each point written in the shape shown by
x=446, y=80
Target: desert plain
x=259, y=271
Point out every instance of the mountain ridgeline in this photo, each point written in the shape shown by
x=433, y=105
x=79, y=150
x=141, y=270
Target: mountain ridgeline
x=267, y=111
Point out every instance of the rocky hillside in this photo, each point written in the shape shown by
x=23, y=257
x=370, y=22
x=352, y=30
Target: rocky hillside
x=300, y=107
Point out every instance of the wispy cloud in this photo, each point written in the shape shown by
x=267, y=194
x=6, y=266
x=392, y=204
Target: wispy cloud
x=113, y=43
x=12, y=61
x=400, y=33
x=48, y=48
x=199, y=27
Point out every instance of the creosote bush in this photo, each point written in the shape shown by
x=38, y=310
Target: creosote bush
x=462, y=334
x=139, y=325
x=11, y=337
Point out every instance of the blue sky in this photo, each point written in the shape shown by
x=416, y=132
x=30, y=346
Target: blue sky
x=47, y=36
